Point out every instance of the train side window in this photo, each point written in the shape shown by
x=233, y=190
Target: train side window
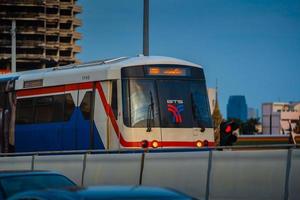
x=47, y=109
x=58, y=108
x=44, y=109
x=69, y=107
x=25, y=111
x=114, y=99
x=85, y=105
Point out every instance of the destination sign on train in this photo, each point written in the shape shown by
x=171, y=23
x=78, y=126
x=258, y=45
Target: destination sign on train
x=168, y=71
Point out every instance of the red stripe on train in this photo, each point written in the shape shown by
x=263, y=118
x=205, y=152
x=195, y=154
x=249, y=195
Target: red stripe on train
x=54, y=89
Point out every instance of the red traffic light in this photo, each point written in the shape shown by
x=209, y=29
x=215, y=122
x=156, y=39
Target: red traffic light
x=228, y=129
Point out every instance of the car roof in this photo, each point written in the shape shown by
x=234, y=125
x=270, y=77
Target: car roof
x=123, y=189
x=107, y=192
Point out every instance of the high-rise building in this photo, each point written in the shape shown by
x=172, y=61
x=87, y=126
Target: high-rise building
x=280, y=118
x=252, y=113
x=45, y=33
x=237, y=108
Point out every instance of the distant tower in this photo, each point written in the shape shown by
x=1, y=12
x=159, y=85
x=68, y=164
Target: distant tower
x=237, y=108
x=211, y=92
x=216, y=113
x=217, y=118
x=45, y=33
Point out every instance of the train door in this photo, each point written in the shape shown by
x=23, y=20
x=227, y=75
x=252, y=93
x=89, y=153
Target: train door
x=69, y=129
x=7, y=115
x=103, y=114
x=87, y=133
x=112, y=136
x=84, y=118
x=102, y=127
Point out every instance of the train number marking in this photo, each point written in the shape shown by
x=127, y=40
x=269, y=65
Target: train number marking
x=85, y=77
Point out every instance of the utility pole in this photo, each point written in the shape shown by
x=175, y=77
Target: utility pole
x=146, y=29
x=13, y=46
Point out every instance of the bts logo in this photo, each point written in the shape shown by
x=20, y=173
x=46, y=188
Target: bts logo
x=176, y=107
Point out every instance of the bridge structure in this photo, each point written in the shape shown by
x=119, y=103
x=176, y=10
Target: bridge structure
x=239, y=172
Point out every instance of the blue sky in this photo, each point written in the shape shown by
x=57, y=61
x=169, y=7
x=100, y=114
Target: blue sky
x=251, y=46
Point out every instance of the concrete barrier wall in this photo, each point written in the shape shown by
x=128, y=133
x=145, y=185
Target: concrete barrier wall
x=185, y=171
x=112, y=169
x=69, y=165
x=15, y=163
x=294, y=178
x=248, y=174
x=215, y=175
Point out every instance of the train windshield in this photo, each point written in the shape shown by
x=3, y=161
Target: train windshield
x=165, y=101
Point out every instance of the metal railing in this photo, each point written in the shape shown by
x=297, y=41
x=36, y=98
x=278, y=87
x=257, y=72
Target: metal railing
x=166, y=150
x=83, y=159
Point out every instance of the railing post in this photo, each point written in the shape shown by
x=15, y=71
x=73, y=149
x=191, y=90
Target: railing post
x=142, y=168
x=83, y=169
x=287, y=173
x=208, y=175
x=32, y=162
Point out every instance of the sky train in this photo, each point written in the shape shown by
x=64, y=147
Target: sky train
x=143, y=101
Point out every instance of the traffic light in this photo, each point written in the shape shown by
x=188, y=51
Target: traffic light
x=227, y=138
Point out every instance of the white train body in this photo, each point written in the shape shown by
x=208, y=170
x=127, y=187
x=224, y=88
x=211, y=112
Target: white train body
x=150, y=101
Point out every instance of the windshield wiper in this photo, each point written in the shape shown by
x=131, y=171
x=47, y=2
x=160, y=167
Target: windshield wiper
x=150, y=114
x=194, y=108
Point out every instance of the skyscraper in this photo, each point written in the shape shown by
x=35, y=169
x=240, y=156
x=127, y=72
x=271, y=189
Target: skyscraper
x=45, y=33
x=237, y=108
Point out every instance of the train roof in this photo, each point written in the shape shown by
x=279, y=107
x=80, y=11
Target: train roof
x=96, y=70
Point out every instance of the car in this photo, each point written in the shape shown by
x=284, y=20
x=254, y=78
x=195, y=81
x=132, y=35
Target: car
x=103, y=192
x=13, y=182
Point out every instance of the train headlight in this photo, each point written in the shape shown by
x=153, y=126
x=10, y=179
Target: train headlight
x=199, y=144
x=154, y=144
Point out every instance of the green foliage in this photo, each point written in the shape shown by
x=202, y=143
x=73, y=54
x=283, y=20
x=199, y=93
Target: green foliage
x=217, y=119
x=248, y=127
x=217, y=116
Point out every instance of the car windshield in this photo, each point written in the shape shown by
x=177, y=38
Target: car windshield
x=14, y=184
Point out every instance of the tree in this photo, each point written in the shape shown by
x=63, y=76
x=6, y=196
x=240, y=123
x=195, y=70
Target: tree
x=249, y=127
x=217, y=119
x=217, y=116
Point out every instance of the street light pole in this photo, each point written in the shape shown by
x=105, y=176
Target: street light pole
x=146, y=29
x=13, y=46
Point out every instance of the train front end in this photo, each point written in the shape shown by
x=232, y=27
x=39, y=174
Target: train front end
x=165, y=105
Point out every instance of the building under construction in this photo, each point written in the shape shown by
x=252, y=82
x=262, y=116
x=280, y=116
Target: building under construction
x=45, y=33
